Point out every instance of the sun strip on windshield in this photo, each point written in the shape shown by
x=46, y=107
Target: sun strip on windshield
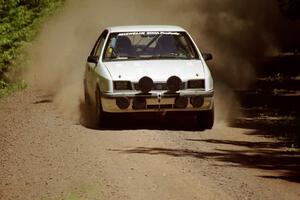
x=148, y=33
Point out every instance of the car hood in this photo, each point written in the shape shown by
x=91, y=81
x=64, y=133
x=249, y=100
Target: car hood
x=158, y=70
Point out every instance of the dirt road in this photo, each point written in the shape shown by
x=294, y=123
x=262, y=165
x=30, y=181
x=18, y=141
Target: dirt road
x=46, y=156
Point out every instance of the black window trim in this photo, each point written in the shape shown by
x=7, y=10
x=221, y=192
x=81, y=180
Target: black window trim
x=102, y=36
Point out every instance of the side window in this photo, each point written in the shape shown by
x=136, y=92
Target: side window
x=99, y=44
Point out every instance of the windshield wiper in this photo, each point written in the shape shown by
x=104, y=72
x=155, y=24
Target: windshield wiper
x=166, y=57
x=125, y=58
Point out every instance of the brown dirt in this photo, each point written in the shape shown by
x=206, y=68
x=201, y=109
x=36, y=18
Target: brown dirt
x=46, y=156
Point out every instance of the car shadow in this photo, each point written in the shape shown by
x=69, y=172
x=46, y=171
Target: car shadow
x=148, y=121
x=136, y=121
x=269, y=156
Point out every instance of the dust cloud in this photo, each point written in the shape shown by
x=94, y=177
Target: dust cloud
x=236, y=32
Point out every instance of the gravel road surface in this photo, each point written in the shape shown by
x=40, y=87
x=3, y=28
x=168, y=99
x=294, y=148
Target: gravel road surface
x=44, y=155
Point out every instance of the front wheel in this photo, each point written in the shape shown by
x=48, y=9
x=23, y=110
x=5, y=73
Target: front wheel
x=206, y=119
x=87, y=99
x=100, y=115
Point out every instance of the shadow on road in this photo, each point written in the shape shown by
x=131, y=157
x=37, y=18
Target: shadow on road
x=289, y=130
x=134, y=121
x=260, y=155
x=260, y=145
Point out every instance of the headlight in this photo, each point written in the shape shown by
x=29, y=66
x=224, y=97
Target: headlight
x=196, y=84
x=122, y=85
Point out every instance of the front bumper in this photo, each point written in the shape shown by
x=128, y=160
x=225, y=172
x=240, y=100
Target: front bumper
x=157, y=101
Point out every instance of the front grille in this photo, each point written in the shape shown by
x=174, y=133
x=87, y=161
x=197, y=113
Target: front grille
x=166, y=106
x=158, y=86
x=152, y=106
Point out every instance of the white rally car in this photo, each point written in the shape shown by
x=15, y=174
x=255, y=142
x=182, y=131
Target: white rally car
x=149, y=69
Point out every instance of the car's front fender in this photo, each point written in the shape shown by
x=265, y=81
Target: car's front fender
x=103, y=78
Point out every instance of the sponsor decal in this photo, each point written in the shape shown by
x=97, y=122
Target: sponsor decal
x=148, y=33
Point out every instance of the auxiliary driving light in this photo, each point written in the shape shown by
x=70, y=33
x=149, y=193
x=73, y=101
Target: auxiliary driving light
x=174, y=84
x=146, y=84
x=197, y=102
x=139, y=103
x=181, y=102
x=123, y=103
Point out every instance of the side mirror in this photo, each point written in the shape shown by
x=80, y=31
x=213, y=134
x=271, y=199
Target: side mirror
x=93, y=59
x=207, y=56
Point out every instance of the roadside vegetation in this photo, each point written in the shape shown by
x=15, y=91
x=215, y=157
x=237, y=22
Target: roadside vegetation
x=20, y=21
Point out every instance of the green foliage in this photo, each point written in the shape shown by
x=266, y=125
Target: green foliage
x=7, y=89
x=19, y=23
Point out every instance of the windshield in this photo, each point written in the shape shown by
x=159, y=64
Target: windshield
x=149, y=45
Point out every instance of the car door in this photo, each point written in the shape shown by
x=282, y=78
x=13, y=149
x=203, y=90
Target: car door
x=91, y=76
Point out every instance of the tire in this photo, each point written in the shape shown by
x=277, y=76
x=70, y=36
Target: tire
x=206, y=119
x=100, y=115
x=87, y=98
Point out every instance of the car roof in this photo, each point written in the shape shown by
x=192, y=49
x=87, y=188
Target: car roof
x=145, y=28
